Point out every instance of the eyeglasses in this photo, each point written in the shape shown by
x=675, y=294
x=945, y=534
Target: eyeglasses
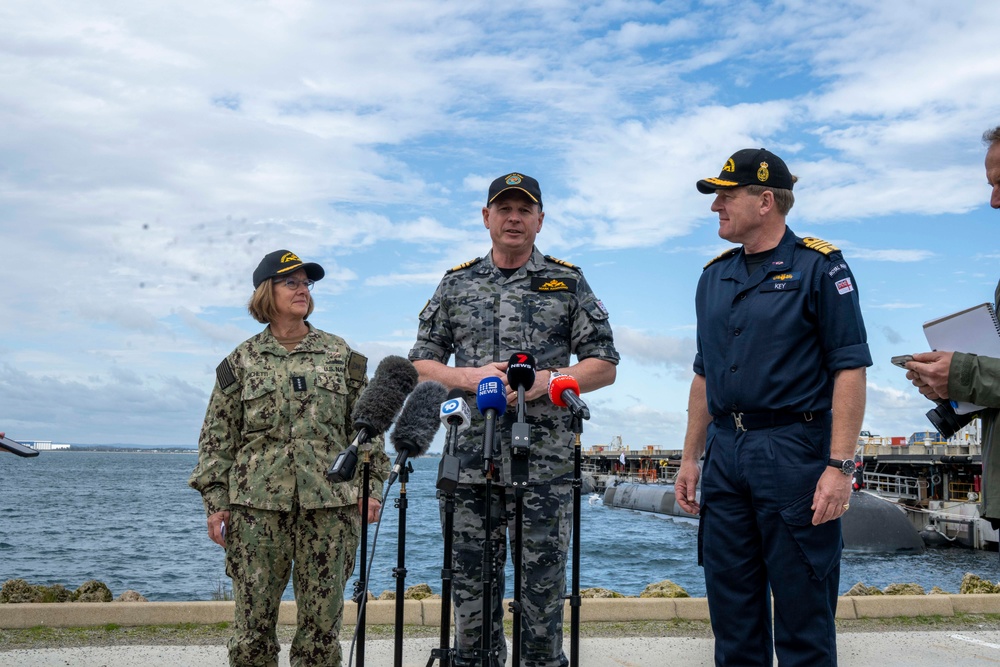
x=293, y=284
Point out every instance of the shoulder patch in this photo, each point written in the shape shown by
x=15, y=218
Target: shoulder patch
x=464, y=265
x=561, y=262
x=819, y=245
x=224, y=374
x=357, y=366
x=728, y=253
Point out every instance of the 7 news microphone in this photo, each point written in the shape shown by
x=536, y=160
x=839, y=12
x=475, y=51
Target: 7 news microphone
x=374, y=411
x=417, y=424
x=491, y=399
x=456, y=417
x=564, y=391
x=520, y=376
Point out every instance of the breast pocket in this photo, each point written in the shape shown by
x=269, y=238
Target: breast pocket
x=546, y=319
x=331, y=399
x=260, y=403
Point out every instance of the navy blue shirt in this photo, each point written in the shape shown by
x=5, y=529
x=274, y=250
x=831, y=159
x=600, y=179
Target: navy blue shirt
x=773, y=342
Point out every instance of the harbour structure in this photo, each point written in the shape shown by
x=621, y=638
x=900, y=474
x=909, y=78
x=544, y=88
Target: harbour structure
x=935, y=481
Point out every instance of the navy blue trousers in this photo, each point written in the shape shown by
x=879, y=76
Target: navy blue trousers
x=756, y=540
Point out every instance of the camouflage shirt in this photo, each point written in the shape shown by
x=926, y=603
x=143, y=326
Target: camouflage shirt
x=546, y=308
x=277, y=420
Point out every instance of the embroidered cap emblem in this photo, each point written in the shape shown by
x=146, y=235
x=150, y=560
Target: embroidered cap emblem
x=762, y=173
x=513, y=179
x=730, y=166
x=290, y=257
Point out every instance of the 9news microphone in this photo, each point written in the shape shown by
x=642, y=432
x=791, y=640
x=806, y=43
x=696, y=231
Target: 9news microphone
x=374, y=410
x=564, y=391
x=491, y=399
x=456, y=417
x=417, y=424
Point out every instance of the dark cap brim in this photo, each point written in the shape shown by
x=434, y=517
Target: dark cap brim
x=512, y=187
x=313, y=270
x=708, y=186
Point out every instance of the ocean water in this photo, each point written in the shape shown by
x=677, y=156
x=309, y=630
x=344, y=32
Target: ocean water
x=131, y=521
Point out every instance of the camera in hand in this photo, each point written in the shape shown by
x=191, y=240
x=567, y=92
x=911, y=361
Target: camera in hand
x=946, y=421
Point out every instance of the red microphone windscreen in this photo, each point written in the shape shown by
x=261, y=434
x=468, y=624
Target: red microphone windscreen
x=558, y=385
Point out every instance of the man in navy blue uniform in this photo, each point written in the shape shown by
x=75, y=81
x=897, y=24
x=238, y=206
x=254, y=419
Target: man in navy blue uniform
x=775, y=407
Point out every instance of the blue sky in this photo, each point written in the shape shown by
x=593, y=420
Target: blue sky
x=152, y=152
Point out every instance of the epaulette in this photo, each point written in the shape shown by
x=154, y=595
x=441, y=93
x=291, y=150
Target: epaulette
x=562, y=262
x=728, y=253
x=819, y=245
x=224, y=374
x=464, y=265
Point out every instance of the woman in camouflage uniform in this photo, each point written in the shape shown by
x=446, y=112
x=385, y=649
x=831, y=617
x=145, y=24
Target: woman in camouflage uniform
x=278, y=417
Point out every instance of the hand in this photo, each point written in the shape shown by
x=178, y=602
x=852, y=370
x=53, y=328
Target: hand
x=833, y=493
x=539, y=389
x=929, y=373
x=215, y=523
x=374, y=509
x=685, y=486
x=473, y=375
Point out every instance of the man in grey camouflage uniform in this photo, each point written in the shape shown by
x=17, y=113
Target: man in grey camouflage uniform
x=515, y=299
x=278, y=417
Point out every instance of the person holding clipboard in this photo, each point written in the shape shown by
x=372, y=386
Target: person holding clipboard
x=971, y=378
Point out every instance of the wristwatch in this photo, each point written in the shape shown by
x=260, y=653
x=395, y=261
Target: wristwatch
x=846, y=466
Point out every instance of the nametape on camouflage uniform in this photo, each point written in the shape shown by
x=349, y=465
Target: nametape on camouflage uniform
x=819, y=245
x=357, y=365
x=224, y=374
x=540, y=284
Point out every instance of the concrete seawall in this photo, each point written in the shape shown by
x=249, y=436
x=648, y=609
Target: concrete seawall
x=428, y=612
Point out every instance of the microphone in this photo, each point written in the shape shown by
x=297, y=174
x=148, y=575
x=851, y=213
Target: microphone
x=374, y=410
x=564, y=391
x=455, y=411
x=455, y=414
x=521, y=371
x=417, y=424
x=491, y=399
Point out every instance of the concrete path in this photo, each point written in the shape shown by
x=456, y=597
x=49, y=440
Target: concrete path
x=860, y=649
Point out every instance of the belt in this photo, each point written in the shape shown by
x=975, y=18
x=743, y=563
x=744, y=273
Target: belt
x=745, y=421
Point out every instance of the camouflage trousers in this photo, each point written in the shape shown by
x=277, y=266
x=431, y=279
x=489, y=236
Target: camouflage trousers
x=545, y=531
x=315, y=547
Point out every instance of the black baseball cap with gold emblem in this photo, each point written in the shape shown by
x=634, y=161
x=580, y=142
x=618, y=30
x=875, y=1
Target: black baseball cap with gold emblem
x=750, y=166
x=283, y=262
x=515, y=181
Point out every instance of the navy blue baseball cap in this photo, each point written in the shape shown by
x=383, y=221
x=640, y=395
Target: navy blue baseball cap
x=515, y=181
x=750, y=166
x=283, y=262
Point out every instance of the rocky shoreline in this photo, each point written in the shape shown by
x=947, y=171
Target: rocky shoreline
x=14, y=591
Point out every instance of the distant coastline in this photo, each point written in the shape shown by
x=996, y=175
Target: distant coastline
x=113, y=449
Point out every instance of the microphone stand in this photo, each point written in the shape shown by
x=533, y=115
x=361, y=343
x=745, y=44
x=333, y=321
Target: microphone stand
x=520, y=441
x=486, y=640
x=361, y=586
x=574, y=598
x=399, y=572
x=446, y=492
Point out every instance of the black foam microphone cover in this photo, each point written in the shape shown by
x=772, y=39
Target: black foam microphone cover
x=418, y=422
x=521, y=370
x=378, y=405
